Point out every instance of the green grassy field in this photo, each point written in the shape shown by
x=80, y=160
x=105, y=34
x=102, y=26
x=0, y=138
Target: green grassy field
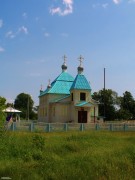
x=71, y=155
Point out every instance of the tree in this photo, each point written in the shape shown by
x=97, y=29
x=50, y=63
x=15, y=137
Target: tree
x=24, y=103
x=127, y=106
x=2, y=106
x=108, y=102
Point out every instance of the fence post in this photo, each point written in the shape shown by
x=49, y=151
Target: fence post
x=97, y=127
x=13, y=126
x=65, y=127
x=82, y=127
x=31, y=127
x=111, y=127
x=125, y=127
x=48, y=127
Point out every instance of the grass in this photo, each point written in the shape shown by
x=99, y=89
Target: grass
x=70, y=155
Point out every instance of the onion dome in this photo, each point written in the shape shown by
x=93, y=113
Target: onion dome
x=80, y=68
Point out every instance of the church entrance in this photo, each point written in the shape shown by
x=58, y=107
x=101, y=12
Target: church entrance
x=82, y=116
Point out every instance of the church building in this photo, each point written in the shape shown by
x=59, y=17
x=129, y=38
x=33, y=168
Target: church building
x=68, y=99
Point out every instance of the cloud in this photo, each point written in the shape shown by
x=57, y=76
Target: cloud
x=64, y=34
x=1, y=49
x=116, y=1
x=10, y=35
x=98, y=5
x=9, y=100
x=68, y=4
x=105, y=5
x=1, y=23
x=95, y=5
x=46, y=34
x=23, y=29
x=24, y=15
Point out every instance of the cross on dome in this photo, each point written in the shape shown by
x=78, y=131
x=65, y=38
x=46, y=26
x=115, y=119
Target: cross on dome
x=65, y=59
x=64, y=66
x=49, y=83
x=41, y=87
x=81, y=60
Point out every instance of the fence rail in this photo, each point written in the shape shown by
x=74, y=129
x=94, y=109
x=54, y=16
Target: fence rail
x=59, y=127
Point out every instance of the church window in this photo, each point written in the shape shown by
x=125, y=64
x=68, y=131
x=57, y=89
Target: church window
x=82, y=96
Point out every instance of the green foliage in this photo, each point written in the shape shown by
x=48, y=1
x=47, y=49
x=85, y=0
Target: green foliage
x=25, y=103
x=127, y=106
x=108, y=102
x=114, y=107
x=76, y=155
x=38, y=142
x=2, y=107
x=33, y=115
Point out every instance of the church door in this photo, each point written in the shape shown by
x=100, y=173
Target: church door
x=82, y=116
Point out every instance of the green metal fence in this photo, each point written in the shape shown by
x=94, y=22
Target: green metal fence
x=59, y=127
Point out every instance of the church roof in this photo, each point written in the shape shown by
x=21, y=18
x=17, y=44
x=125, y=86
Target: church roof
x=61, y=85
x=11, y=110
x=64, y=76
x=60, y=99
x=80, y=82
x=84, y=103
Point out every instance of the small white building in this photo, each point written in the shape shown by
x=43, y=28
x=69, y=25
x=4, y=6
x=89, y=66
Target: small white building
x=13, y=112
x=68, y=99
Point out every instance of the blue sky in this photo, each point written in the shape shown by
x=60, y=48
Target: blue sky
x=35, y=34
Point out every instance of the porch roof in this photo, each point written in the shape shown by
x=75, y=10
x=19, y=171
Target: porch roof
x=84, y=103
x=11, y=110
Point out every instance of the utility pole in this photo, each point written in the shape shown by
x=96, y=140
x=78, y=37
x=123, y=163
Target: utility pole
x=28, y=107
x=104, y=94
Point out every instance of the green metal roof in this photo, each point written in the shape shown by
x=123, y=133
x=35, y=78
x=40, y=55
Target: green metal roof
x=81, y=82
x=61, y=85
x=60, y=99
x=64, y=76
x=84, y=103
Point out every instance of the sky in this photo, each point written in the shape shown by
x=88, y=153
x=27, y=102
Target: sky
x=36, y=34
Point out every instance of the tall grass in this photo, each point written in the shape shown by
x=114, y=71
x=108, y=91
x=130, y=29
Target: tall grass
x=70, y=155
